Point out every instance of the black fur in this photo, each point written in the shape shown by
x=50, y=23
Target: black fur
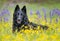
x=20, y=20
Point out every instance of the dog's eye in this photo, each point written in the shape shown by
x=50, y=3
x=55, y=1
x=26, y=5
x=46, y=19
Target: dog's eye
x=21, y=13
x=18, y=13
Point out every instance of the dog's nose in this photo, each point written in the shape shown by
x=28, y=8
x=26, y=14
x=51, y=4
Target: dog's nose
x=18, y=19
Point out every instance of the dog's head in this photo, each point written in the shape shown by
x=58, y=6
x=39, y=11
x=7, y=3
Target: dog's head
x=19, y=14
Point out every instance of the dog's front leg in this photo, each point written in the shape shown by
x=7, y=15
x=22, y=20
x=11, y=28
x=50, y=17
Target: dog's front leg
x=13, y=28
x=18, y=29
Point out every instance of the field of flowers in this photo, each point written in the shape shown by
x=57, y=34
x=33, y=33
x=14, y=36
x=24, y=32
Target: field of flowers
x=44, y=14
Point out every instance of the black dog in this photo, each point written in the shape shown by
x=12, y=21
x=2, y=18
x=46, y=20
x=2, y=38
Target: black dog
x=20, y=20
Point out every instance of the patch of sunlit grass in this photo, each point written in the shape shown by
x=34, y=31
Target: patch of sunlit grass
x=52, y=34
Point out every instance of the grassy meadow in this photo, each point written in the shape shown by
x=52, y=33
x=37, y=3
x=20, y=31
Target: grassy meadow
x=37, y=13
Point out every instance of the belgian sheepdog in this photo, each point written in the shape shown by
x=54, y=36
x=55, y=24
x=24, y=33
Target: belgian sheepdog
x=20, y=20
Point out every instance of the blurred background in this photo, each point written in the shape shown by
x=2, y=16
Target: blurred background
x=31, y=1
x=36, y=9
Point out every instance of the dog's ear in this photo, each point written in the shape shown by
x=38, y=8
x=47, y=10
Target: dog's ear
x=24, y=9
x=17, y=8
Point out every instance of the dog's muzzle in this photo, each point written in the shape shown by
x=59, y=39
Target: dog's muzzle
x=19, y=21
